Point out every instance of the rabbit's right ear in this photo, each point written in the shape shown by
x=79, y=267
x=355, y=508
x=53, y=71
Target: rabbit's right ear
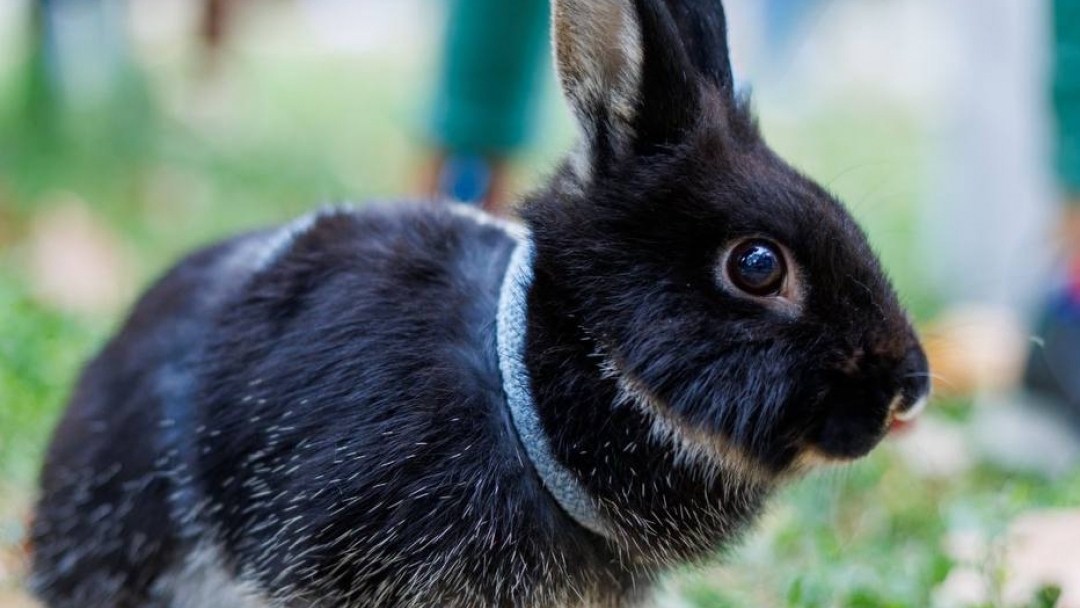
x=636, y=72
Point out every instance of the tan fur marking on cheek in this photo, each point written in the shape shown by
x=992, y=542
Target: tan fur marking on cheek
x=812, y=458
x=712, y=453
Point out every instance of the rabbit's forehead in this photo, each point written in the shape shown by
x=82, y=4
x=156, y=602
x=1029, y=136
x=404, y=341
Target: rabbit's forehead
x=759, y=191
x=817, y=228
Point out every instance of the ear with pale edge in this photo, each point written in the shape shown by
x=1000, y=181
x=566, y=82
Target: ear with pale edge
x=599, y=55
x=634, y=70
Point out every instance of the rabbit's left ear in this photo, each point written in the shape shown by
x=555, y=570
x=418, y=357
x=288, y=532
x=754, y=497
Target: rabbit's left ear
x=638, y=72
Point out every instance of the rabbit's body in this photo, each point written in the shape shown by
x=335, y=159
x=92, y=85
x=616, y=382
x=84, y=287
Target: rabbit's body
x=320, y=418
x=424, y=406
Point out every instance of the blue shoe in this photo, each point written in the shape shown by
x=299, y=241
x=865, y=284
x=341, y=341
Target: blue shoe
x=465, y=178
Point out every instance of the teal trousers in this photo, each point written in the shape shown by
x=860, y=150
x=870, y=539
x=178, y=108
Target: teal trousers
x=493, y=65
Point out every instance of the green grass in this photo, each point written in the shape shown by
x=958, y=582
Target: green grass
x=871, y=536
x=303, y=133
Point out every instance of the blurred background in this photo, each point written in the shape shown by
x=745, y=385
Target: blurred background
x=133, y=131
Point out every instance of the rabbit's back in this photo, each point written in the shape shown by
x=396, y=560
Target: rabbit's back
x=320, y=403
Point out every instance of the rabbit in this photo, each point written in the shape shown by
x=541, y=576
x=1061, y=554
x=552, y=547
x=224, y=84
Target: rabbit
x=417, y=405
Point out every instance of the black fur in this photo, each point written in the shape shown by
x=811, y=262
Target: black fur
x=320, y=420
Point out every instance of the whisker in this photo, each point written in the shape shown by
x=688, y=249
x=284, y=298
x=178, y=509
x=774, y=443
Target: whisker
x=932, y=376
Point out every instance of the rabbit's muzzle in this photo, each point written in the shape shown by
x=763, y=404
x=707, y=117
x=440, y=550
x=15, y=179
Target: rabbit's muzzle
x=862, y=404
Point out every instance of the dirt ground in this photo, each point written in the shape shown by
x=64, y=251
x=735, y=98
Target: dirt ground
x=14, y=599
x=10, y=594
x=12, y=557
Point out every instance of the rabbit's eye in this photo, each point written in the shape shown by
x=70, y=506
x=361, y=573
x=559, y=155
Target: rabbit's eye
x=757, y=267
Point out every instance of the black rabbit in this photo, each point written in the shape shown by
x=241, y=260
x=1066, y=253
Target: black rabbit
x=424, y=406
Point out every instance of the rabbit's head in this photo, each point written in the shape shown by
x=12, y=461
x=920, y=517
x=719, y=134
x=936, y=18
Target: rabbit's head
x=727, y=292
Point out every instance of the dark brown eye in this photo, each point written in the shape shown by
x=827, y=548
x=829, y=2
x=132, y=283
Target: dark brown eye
x=757, y=267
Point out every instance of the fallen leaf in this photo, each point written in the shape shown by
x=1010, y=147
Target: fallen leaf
x=75, y=262
x=963, y=588
x=934, y=449
x=974, y=348
x=1043, y=550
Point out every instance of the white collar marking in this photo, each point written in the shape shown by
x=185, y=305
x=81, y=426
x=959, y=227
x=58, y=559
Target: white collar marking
x=512, y=325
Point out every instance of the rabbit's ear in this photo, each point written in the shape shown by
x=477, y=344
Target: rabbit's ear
x=702, y=28
x=636, y=71
x=599, y=53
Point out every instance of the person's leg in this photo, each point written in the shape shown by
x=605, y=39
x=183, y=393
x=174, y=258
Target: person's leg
x=214, y=27
x=1054, y=364
x=1066, y=99
x=494, y=55
x=82, y=46
x=43, y=87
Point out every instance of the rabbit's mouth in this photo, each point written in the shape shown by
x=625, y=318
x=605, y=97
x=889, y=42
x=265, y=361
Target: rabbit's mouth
x=873, y=394
x=903, y=413
x=853, y=428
